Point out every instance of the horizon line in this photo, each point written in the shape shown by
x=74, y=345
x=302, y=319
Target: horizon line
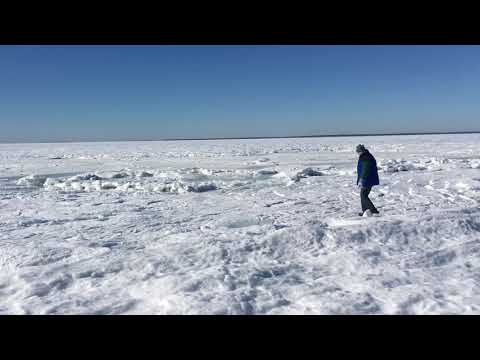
x=245, y=137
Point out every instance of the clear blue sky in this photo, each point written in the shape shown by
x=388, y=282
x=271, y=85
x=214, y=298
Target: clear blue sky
x=55, y=93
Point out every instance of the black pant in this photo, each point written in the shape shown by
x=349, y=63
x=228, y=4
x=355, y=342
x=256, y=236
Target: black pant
x=366, y=203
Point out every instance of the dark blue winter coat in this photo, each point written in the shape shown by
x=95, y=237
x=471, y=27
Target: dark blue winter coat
x=367, y=170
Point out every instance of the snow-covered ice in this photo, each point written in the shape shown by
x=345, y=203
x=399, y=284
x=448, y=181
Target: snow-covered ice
x=264, y=226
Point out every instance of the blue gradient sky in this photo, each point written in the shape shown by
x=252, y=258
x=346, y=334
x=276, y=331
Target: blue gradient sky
x=55, y=93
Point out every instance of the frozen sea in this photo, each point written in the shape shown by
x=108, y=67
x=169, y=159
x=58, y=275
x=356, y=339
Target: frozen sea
x=264, y=226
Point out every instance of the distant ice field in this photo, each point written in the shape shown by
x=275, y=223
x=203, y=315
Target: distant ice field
x=263, y=226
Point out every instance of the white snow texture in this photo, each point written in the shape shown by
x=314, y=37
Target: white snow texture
x=265, y=226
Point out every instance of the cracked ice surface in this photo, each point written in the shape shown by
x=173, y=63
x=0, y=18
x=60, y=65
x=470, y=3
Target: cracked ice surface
x=265, y=226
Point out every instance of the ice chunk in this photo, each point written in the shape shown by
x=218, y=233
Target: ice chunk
x=144, y=174
x=201, y=187
x=109, y=186
x=85, y=177
x=114, y=175
x=306, y=173
x=32, y=180
x=126, y=187
x=267, y=172
x=475, y=164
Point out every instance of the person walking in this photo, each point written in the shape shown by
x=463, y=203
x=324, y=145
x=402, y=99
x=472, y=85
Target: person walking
x=367, y=177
